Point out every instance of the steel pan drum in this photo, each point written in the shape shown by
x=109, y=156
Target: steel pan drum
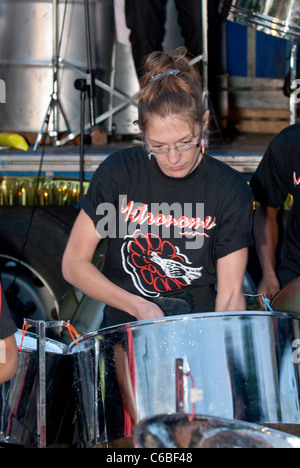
x=235, y=365
x=280, y=18
x=288, y=298
x=179, y=431
x=18, y=397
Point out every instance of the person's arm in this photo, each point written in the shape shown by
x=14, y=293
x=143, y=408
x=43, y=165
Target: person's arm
x=266, y=233
x=8, y=358
x=230, y=274
x=78, y=270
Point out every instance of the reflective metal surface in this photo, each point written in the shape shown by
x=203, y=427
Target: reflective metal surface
x=18, y=397
x=237, y=365
x=279, y=18
x=26, y=51
x=288, y=298
x=179, y=431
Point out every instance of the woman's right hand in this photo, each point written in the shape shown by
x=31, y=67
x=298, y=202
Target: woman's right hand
x=146, y=310
x=79, y=271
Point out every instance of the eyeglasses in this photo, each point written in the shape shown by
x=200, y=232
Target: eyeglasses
x=181, y=148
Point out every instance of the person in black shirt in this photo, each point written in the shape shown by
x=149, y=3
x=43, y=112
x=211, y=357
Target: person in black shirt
x=141, y=17
x=178, y=220
x=146, y=21
x=8, y=348
x=278, y=176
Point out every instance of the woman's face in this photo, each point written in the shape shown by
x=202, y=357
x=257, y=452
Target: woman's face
x=172, y=141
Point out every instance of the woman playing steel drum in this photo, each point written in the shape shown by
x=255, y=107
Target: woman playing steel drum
x=178, y=220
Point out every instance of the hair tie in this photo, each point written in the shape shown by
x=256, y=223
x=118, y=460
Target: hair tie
x=166, y=73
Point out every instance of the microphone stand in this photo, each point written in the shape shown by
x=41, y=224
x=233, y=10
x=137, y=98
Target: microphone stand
x=54, y=103
x=82, y=86
x=86, y=86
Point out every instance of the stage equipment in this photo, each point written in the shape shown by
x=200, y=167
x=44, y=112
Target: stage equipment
x=280, y=18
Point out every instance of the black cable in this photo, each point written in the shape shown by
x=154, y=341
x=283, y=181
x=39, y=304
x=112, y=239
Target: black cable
x=12, y=286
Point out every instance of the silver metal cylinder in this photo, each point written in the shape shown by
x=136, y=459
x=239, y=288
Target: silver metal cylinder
x=280, y=18
x=26, y=52
x=235, y=365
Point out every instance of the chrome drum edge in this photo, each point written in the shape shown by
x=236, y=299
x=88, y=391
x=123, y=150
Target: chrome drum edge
x=239, y=365
x=288, y=298
x=180, y=431
x=18, y=397
x=280, y=18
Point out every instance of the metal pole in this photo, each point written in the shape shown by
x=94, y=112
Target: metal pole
x=41, y=385
x=55, y=68
x=90, y=76
x=293, y=67
x=178, y=383
x=41, y=376
x=205, y=53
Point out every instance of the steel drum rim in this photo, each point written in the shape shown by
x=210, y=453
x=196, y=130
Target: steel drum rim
x=61, y=347
x=181, y=318
x=275, y=26
x=230, y=424
x=286, y=287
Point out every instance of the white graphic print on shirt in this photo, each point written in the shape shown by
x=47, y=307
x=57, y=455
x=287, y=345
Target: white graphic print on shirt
x=155, y=265
x=152, y=258
x=296, y=180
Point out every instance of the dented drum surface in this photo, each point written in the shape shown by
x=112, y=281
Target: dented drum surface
x=280, y=18
x=18, y=397
x=241, y=365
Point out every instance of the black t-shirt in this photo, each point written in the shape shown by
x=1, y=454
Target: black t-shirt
x=166, y=234
x=278, y=175
x=7, y=325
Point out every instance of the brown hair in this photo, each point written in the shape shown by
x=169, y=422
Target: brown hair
x=170, y=86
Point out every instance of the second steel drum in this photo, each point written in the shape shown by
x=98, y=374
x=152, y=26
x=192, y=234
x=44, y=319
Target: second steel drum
x=234, y=365
x=288, y=298
x=280, y=18
x=181, y=431
x=18, y=397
